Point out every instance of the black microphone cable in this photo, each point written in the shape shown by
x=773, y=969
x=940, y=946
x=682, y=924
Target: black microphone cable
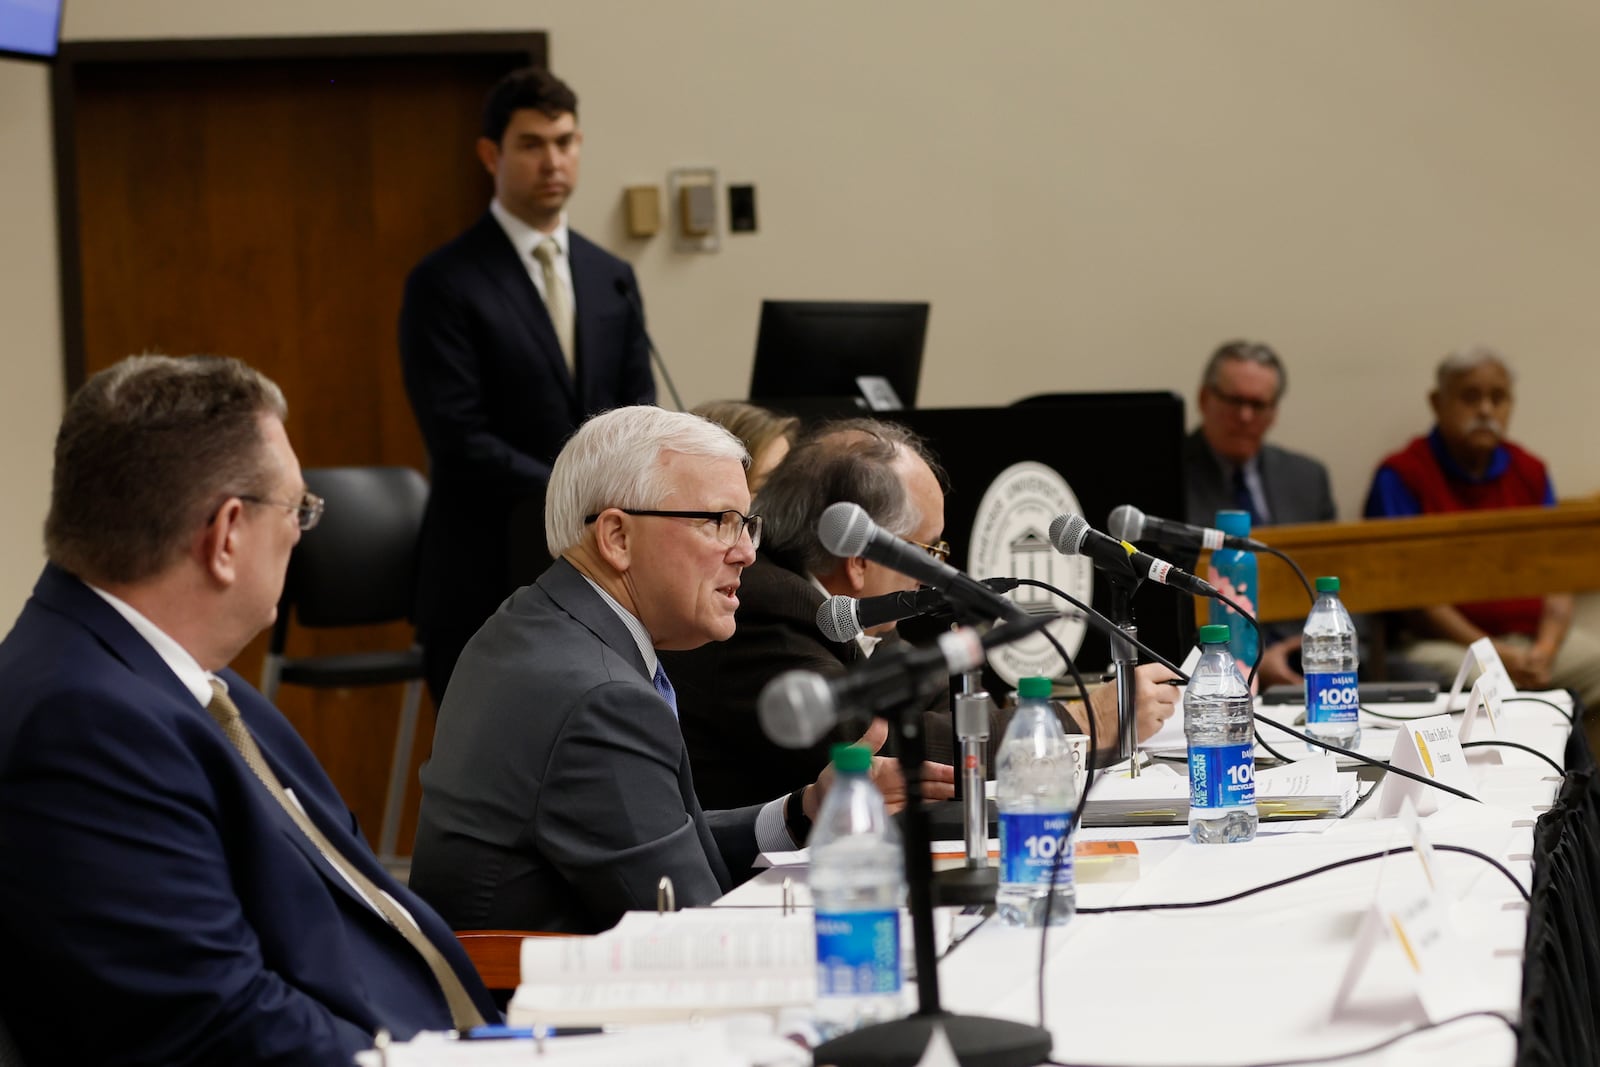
x=1104, y=623
x=1520, y=747
x=1311, y=594
x=627, y=293
x=1565, y=714
x=1279, y=883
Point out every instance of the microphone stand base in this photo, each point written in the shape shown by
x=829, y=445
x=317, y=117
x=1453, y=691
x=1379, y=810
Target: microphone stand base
x=977, y=1042
x=962, y=887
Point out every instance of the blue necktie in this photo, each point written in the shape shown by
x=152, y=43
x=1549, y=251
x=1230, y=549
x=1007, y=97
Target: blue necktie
x=664, y=687
x=1243, y=499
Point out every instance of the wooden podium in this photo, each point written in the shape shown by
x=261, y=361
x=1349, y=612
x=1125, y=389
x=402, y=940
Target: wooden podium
x=1403, y=564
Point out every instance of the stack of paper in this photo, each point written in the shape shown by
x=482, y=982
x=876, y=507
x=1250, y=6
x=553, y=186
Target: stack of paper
x=1309, y=789
x=679, y=965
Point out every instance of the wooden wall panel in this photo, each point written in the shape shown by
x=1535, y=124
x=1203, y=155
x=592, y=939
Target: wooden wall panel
x=265, y=200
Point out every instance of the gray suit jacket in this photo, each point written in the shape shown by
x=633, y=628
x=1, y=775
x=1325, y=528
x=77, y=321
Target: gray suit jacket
x=1296, y=485
x=559, y=789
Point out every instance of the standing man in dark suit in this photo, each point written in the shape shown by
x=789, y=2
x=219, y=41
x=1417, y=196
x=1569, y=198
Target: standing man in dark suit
x=559, y=791
x=182, y=884
x=510, y=336
x=1229, y=466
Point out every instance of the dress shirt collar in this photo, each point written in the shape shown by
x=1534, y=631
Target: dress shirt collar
x=641, y=636
x=524, y=237
x=864, y=641
x=195, y=678
x=1498, y=462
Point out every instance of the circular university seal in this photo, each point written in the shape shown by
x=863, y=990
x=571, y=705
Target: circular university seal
x=1011, y=537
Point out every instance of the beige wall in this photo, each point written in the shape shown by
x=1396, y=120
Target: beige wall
x=1091, y=194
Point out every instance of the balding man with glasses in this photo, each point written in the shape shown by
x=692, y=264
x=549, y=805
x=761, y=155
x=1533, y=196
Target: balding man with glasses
x=559, y=792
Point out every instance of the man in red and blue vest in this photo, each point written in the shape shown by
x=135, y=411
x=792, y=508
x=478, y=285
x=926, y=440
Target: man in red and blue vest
x=1466, y=464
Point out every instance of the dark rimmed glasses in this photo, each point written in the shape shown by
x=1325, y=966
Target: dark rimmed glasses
x=730, y=524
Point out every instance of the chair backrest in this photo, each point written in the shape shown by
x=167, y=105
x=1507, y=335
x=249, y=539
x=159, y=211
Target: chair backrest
x=358, y=567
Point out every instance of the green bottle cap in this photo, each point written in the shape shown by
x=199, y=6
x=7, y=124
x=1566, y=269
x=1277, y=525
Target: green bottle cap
x=1030, y=688
x=1329, y=584
x=851, y=759
x=1214, y=634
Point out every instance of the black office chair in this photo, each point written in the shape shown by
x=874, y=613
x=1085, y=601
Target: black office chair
x=358, y=568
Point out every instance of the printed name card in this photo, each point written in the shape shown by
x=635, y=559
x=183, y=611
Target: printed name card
x=1429, y=748
x=1406, y=935
x=1481, y=654
x=1485, y=697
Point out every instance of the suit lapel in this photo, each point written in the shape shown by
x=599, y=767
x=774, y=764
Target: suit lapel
x=497, y=258
x=593, y=289
x=571, y=591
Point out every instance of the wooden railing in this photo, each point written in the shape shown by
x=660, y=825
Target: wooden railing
x=1398, y=564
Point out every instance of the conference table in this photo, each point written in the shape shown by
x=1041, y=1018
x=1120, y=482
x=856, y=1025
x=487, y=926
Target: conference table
x=1304, y=970
x=1257, y=980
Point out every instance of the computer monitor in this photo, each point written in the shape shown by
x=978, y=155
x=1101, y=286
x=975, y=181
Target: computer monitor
x=30, y=29
x=814, y=349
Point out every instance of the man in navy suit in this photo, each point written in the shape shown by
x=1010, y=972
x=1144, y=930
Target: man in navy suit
x=510, y=336
x=160, y=902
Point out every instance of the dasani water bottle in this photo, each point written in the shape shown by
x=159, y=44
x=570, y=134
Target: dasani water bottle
x=1217, y=710
x=1330, y=656
x=1036, y=797
x=857, y=883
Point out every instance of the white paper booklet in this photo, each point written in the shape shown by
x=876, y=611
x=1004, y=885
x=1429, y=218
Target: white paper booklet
x=685, y=964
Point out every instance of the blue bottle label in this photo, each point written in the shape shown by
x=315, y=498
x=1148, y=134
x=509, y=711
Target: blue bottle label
x=1331, y=697
x=858, y=952
x=1029, y=845
x=1222, y=776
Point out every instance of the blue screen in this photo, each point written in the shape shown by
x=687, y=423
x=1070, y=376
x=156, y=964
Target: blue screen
x=30, y=26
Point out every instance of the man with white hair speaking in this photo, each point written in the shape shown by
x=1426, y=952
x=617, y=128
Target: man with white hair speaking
x=559, y=791
x=1466, y=464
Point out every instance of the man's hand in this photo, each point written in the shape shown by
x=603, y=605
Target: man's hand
x=938, y=779
x=1528, y=665
x=1275, y=669
x=1155, y=701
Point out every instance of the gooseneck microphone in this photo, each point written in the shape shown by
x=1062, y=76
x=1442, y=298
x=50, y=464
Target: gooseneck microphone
x=847, y=531
x=626, y=291
x=1072, y=535
x=844, y=618
x=1128, y=523
x=798, y=708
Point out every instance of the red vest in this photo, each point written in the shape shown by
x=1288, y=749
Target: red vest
x=1524, y=483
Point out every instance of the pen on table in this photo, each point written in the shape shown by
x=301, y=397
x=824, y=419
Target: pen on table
x=497, y=1032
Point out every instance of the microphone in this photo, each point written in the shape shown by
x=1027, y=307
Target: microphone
x=626, y=291
x=1072, y=535
x=847, y=531
x=799, y=708
x=1128, y=523
x=842, y=618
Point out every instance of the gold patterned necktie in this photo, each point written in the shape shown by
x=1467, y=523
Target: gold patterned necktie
x=463, y=1012
x=557, y=301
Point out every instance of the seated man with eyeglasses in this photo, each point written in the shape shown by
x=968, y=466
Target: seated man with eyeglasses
x=559, y=791
x=1228, y=466
x=889, y=472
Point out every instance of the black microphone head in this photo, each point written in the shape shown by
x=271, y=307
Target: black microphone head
x=845, y=529
x=1126, y=523
x=796, y=709
x=837, y=618
x=1067, y=533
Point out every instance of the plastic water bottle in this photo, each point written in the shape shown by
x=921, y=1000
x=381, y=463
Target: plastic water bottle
x=1330, y=655
x=857, y=883
x=1222, y=765
x=1233, y=572
x=1036, y=797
